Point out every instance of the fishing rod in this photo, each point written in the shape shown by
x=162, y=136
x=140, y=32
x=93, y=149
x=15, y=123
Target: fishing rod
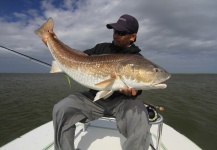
x=160, y=108
x=27, y=57
x=34, y=60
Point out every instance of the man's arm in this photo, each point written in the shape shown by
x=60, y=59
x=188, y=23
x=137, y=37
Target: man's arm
x=92, y=51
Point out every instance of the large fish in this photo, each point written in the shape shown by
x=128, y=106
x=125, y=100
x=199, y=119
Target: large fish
x=105, y=73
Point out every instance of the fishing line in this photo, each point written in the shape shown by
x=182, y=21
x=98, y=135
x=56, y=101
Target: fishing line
x=27, y=57
x=69, y=81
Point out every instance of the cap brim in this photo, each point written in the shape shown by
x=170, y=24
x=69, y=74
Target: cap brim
x=116, y=26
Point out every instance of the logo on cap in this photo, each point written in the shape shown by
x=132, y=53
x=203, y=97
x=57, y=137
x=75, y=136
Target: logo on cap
x=122, y=19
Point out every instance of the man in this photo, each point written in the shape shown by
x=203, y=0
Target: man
x=130, y=113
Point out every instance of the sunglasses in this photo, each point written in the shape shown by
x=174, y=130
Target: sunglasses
x=121, y=33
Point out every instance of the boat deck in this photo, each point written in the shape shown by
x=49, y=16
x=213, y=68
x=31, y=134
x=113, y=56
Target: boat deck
x=98, y=134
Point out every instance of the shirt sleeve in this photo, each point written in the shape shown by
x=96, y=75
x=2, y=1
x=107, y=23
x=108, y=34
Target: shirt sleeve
x=89, y=51
x=92, y=50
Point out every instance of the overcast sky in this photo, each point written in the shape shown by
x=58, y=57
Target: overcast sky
x=179, y=35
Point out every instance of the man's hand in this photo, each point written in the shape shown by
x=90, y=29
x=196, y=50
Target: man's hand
x=44, y=39
x=128, y=91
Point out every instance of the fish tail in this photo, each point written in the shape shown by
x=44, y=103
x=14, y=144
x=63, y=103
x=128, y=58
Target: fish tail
x=43, y=30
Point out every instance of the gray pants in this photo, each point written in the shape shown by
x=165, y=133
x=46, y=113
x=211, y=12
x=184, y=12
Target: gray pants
x=131, y=118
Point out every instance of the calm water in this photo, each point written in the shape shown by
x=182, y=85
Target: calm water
x=190, y=101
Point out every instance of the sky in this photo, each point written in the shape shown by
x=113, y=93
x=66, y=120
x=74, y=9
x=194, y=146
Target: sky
x=180, y=36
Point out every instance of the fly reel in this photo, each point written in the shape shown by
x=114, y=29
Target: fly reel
x=153, y=113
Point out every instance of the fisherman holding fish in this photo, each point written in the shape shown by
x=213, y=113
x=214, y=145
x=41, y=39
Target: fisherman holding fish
x=123, y=104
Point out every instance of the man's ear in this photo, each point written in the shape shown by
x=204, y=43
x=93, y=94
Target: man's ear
x=133, y=37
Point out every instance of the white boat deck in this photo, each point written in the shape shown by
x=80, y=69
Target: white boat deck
x=99, y=134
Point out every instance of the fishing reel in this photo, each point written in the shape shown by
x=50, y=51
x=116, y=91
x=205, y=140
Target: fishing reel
x=153, y=113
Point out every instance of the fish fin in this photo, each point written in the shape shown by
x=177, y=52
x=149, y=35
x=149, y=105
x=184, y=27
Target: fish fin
x=112, y=83
x=55, y=68
x=43, y=30
x=106, y=82
x=103, y=94
x=109, y=82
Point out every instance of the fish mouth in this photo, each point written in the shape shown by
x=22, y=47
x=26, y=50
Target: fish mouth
x=160, y=86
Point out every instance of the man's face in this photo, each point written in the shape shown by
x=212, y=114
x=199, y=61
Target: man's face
x=123, y=39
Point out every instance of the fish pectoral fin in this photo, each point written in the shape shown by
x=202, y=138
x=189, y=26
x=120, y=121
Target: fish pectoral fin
x=103, y=94
x=55, y=68
x=106, y=83
x=109, y=82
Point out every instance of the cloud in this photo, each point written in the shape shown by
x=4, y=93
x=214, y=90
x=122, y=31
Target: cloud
x=175, y=34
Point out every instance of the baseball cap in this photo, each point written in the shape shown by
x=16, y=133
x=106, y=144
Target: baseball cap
x=125, y=23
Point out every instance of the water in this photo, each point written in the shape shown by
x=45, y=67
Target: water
x=190, y=102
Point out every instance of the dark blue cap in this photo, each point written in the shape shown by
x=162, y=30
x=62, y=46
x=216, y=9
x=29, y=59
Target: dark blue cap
x=125, y=23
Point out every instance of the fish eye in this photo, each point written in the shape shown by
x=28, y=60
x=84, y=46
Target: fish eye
x=157, y=70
